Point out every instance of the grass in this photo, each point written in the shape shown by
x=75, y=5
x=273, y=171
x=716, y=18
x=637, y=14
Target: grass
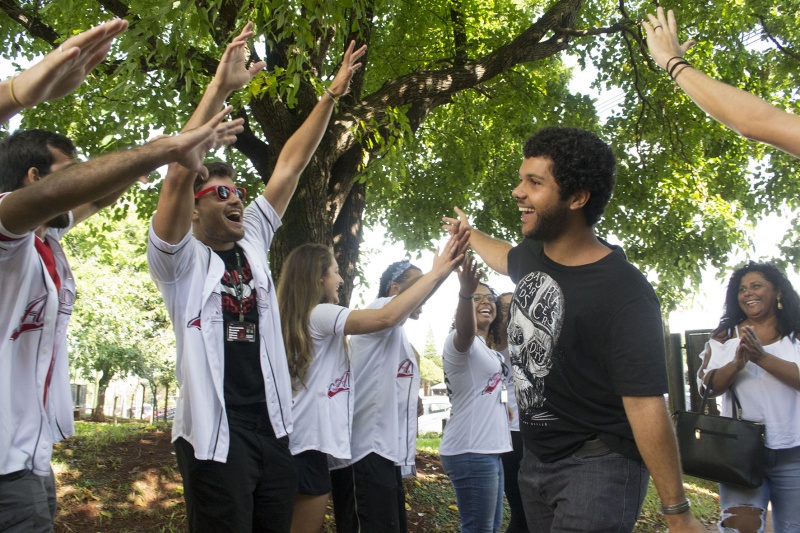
x=122, y=477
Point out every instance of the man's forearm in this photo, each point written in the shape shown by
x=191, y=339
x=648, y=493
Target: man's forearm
x=27, y=208
x=493, y=252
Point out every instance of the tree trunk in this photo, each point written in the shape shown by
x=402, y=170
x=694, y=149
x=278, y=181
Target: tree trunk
x=98, y=415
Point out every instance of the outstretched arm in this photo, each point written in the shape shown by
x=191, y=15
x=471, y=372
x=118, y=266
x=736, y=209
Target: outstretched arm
x=60, y=72
x=27, y=208
x=468, y=277
x=493, y=252
x=232, y=74
x=361, y=321
x=655, y=438
x=739, y=110
x=298, y=150
x=173, y=218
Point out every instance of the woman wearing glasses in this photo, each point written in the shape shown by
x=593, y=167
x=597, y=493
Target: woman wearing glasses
x=477, y=433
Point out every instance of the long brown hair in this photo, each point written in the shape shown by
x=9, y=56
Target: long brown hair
x=299, y=291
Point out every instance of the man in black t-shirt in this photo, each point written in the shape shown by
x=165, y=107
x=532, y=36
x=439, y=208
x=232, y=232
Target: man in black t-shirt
x=587, y=349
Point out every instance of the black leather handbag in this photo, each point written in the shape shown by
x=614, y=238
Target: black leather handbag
x=718, y=448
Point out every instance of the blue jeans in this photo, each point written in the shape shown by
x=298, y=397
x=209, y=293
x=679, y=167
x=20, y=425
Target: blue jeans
x=593, y=490
x=781, y=487
x=478, y=481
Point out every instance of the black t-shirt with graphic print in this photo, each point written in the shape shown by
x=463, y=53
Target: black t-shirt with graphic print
x=244, y=382
x=581, y=338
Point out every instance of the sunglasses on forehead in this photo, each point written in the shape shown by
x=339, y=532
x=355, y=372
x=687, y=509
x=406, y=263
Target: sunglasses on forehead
x=223, y=192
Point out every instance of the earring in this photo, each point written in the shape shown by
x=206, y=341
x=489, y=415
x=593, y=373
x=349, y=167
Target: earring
x=780, y=305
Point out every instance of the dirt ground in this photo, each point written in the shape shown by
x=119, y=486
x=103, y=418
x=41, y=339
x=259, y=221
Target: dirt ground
x=135, y=486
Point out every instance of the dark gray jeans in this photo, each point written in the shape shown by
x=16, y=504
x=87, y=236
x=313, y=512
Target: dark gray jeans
x=593, y=490
x=27, y=502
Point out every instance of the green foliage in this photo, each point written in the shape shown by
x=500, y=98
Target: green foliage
x=120, y=326
x=688, y=189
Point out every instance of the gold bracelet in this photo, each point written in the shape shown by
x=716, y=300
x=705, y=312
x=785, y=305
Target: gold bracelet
x=11, y=92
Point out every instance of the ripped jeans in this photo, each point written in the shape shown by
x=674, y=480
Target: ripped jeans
x=781, y=487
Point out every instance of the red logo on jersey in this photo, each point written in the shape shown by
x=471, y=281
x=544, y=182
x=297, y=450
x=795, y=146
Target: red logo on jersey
x=194, y=323
x=493, y=382
x=340, y=385
x=405, y=369
x=31, y=318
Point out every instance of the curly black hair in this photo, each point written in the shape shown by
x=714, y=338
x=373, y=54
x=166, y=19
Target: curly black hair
x=580, y=160
x=788, y=315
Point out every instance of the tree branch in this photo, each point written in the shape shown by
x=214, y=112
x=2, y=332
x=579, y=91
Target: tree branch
x=791, y=53
x=34, y=25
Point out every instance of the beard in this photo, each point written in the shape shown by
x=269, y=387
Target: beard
x=549, y=224
x=59, y=221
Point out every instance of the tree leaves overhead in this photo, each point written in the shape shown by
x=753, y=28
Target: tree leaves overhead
x=437, y=116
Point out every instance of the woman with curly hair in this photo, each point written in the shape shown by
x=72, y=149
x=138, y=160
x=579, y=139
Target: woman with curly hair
x=314, y=330
x=755, y=351
x=477, y=433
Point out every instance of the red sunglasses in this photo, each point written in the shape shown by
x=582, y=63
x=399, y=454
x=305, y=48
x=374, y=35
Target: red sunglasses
x=223, y=192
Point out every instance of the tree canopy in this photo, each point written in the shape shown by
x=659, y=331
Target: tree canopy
x=449, y=91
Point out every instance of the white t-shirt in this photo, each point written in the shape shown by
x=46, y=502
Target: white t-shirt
x=478, y=420
x=386, y=383
x=764, y=397
x=511, y=394
x=322, y=410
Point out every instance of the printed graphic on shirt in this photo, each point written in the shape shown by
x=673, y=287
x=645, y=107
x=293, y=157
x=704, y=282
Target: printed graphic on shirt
x=31, y=319
x=231, y=284
x=405, y=369
x=341, y=384
x=536, y=316
x=493, y=382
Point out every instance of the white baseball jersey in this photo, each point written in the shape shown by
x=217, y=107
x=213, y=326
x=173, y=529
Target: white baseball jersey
x=323, y=405
x=33, y=352
x=188, y=274
x=478, y=420
x=386, y=382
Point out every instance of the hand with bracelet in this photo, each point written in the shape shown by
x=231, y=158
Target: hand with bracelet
x=745, y=113
x=341, y=83
x=662, y=40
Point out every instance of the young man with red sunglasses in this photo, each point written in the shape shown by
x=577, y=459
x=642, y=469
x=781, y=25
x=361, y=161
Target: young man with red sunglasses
x=207, y=253
x=43, y=193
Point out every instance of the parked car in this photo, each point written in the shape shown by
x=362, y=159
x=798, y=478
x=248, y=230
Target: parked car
x=170, y=413
x=436, y=410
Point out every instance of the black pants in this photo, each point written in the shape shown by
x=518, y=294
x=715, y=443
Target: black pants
x=252, y=491
x=511, y=460
x=369, y=497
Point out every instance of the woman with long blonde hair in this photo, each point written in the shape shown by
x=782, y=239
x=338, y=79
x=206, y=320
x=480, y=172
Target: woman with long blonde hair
x=314, y=329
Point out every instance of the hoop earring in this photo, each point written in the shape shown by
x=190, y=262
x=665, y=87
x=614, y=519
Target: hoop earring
x=780, y=305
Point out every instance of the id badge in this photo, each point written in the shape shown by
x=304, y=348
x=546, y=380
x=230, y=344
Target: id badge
x=241, y=332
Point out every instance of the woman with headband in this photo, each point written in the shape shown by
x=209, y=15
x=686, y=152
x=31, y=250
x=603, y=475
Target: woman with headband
x=368, y=492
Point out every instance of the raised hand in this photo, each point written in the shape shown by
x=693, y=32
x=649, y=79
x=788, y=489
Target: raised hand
x=63, y=69
x=469, y=276
x=190, y=147
x=341, y=83
x=455, y=225
x=233, y=73
x=449, y=258
x=662, y=38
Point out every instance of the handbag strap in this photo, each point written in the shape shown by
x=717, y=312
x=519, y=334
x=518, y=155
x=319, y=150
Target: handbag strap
x=735, y=405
